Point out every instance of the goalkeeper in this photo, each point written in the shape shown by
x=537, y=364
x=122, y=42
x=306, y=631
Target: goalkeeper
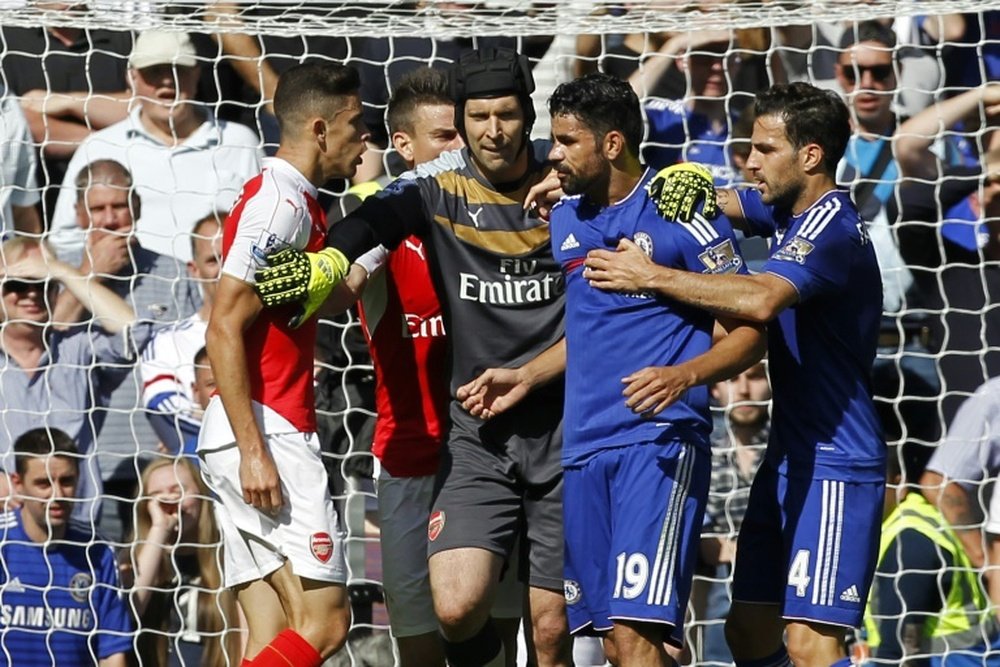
x=502, y=296
x=797, y=568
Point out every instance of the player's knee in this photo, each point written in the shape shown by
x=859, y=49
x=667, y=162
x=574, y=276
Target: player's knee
x=550, y=634
x=460, y=616
x=327, y=632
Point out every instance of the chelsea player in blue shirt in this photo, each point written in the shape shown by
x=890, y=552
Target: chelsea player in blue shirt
x=636, y=470
x=799, y=566
x=60, y=599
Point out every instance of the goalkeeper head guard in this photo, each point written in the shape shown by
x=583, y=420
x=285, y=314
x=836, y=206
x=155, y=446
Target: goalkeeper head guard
x=489, y=73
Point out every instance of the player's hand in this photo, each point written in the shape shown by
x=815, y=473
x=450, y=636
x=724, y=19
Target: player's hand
x=543, y=195
x=677, y=190
x=627, y=269
x=653, y=389
x=493, y=392
x=260, y=482
x=305, y=278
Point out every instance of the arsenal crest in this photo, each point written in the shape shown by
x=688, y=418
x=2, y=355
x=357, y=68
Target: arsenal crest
x=322, y=546
x=435, y=525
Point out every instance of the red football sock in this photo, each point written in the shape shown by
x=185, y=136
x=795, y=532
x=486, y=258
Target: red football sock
x=245, y=663
x=288, y=649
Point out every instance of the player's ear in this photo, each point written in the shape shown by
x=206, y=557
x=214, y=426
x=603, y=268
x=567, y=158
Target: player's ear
x=403, y=144
x=811, y=157
x=614, y=145
x=318, y=128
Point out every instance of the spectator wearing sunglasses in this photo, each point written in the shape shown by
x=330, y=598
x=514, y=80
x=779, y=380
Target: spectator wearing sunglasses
x=58, y=377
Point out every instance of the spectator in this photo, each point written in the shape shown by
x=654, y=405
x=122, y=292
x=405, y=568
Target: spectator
x=185, y=162
x=736, y=454
x=697, y=127
x=970, y=47
x=169, y=364
x=61, y=595
x=905, y=376
x=185, y=614
x=927, y=605
x=107, y=204
x=956, y=477
x=62, y=376
x=18, y=187
x=952, y=139
x=71, y=82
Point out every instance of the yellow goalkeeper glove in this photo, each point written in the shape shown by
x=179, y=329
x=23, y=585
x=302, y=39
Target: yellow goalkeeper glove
x=677, y=189
x=306, y=278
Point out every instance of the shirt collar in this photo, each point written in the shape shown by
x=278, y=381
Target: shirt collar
x=207, y=135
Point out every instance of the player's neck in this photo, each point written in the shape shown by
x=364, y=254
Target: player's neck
x=814, y=190
x=622, y=180
x=304, y=162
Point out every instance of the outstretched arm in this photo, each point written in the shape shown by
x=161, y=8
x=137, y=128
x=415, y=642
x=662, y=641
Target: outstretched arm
x=757, y=298
x=497, y=390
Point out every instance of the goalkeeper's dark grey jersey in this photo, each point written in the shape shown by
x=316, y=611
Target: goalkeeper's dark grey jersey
x=501, y=291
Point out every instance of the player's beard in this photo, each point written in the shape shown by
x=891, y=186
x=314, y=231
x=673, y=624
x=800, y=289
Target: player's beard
x=592, y=182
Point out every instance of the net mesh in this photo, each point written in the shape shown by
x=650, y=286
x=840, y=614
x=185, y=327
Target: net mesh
x=934, y=351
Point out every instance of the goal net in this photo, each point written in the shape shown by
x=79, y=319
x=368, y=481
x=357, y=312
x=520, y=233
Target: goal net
x=932, y=210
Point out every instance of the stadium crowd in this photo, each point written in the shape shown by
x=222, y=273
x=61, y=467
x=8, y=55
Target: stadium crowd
x=137, y=167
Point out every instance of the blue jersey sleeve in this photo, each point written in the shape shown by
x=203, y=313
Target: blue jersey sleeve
x=759, y=217
x=815, y=261
x=709, y=247
x=114, y=623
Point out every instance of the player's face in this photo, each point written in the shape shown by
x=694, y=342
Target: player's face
x=495, y=130
x=345, y=139
x=174, y=488
x=433, y=133
x=774, y=163
x=745, y=397
x=577, y=157
x=166, y=90
x=206, y=255
x=865, y=72
x=45, y=490
x=105, y=208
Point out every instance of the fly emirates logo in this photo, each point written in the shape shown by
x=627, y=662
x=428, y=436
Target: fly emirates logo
x=519, y=284
x=415, y=326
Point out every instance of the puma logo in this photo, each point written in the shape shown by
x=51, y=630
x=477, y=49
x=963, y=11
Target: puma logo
x=475, y=216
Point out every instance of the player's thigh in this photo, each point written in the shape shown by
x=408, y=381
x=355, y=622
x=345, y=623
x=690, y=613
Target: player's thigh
x=477, y=503
x=658, y=499
x=309, y=601
x=403, y=507
x=833, y=530
x=759, y=573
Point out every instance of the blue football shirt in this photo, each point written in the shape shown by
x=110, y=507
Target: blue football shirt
x=61, y=603
x=821, y=349
x=611, y=335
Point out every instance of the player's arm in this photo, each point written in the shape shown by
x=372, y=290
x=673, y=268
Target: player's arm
x=739, y=346
x=753, y=298
x=235, y=309
x=497, y=390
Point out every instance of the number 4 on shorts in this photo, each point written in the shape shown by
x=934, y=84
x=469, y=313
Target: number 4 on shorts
x=798, y=573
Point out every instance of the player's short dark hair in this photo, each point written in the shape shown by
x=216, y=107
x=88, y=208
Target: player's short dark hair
x=420, y=87
x=603, y=103
x=867, y=31
x=492, y=72
x=811, y=116
x=201, y=357
x=308, y=89
x=39, y=443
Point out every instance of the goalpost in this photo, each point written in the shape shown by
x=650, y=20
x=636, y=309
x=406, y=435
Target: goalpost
x=784, y=39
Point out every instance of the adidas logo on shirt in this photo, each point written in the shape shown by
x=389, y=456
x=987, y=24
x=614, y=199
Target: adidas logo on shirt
x=14, y=586
x=570, y=243
x=851, y=595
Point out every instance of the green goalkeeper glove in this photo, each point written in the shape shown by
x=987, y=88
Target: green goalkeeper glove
x=306, y=278
x=677, y=189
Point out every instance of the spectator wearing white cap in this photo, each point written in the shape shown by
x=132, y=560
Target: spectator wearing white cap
x=185, y=162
